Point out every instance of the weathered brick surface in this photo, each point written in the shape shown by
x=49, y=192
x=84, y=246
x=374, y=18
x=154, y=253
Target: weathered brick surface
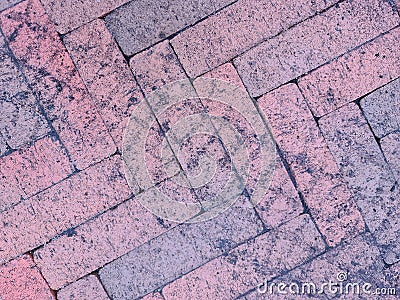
x=143, y=23
x=8, y=3
x=87, y=288
x=153, y=296
x=20, y=280
x=29, y=171
x=281, y=201
x=313, y=43
x=68, y=15
x=67, y=204
x=244, y=267
x=97, y=242
x=364, y=168
x=178, y=251
x=313, y=167
x=382, y=108
x=165, y=67
x=105, y=73
x=54, y=78
x=353, y=75
x=21, y=120
x=359, y=259
x=237, y=28
x=391, y=149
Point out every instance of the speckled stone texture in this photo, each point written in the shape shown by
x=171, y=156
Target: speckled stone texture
x=21, y=279
x=31, y=170
x=353, y=75
x=365, y=169
x=55, y=80
x=313, y=42
x=87, y=288
x=178, y=150
x=237, y=28
x=313, y=167
x=21, y=120
x=140, y=24
x=247, y=265
x=382, y=109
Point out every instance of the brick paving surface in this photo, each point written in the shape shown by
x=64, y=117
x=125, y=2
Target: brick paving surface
x=199, y=149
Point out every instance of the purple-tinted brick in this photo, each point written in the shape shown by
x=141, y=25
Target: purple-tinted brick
x=353, y=75
x=55, y=80
x=313, y=167
x=391, y=148
x=29, y=171
x=105, y=73
x=68, y=15
x=244, y=267
x=314, y=42
x=140, y=24
x=87, y=288
x=97, y=242
x=230, y=32
x=382, y=108
x=178, y=251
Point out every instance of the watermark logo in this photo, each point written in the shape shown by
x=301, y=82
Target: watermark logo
x=195, y=148
x=340, y=286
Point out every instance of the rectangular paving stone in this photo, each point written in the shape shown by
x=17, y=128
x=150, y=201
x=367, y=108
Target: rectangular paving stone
x=382, y=108
x=228, y=276
x=390, y=145
x=313, y=42
x=105, y=73
x=178, y=251
x=87, y=288
x=353, y=75
x=21, y=121
x=357, y=261
x=97, y=242
x=69, y=15
x=312, y=165
x=281, y=202
x=54, y=78
x=20, y=279
x=140, y=24
x=235, y=29
x=31, y=170
x=8, y=3
x=364, y=168
x=35, y=221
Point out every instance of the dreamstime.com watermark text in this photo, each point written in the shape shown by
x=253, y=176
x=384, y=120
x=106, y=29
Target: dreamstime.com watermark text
x=339, y=287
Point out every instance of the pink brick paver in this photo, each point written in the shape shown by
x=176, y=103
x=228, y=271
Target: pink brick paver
x=20, y=280
x=140, y=24
x=246, y=266
x=358, y=259
x=87, y=288
x=105, y=73
x=53, y=76
x=184, y=150
x=313, y=42
x=97, y=242
x=31, y=170
x=382, y=108
x=21, y=121
x=313, y=167
x=364, y=168
x=178, y=251
x=68, y=15
x=353, y=75
x=391, y=149
x=236, y=28
x=36, y=220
